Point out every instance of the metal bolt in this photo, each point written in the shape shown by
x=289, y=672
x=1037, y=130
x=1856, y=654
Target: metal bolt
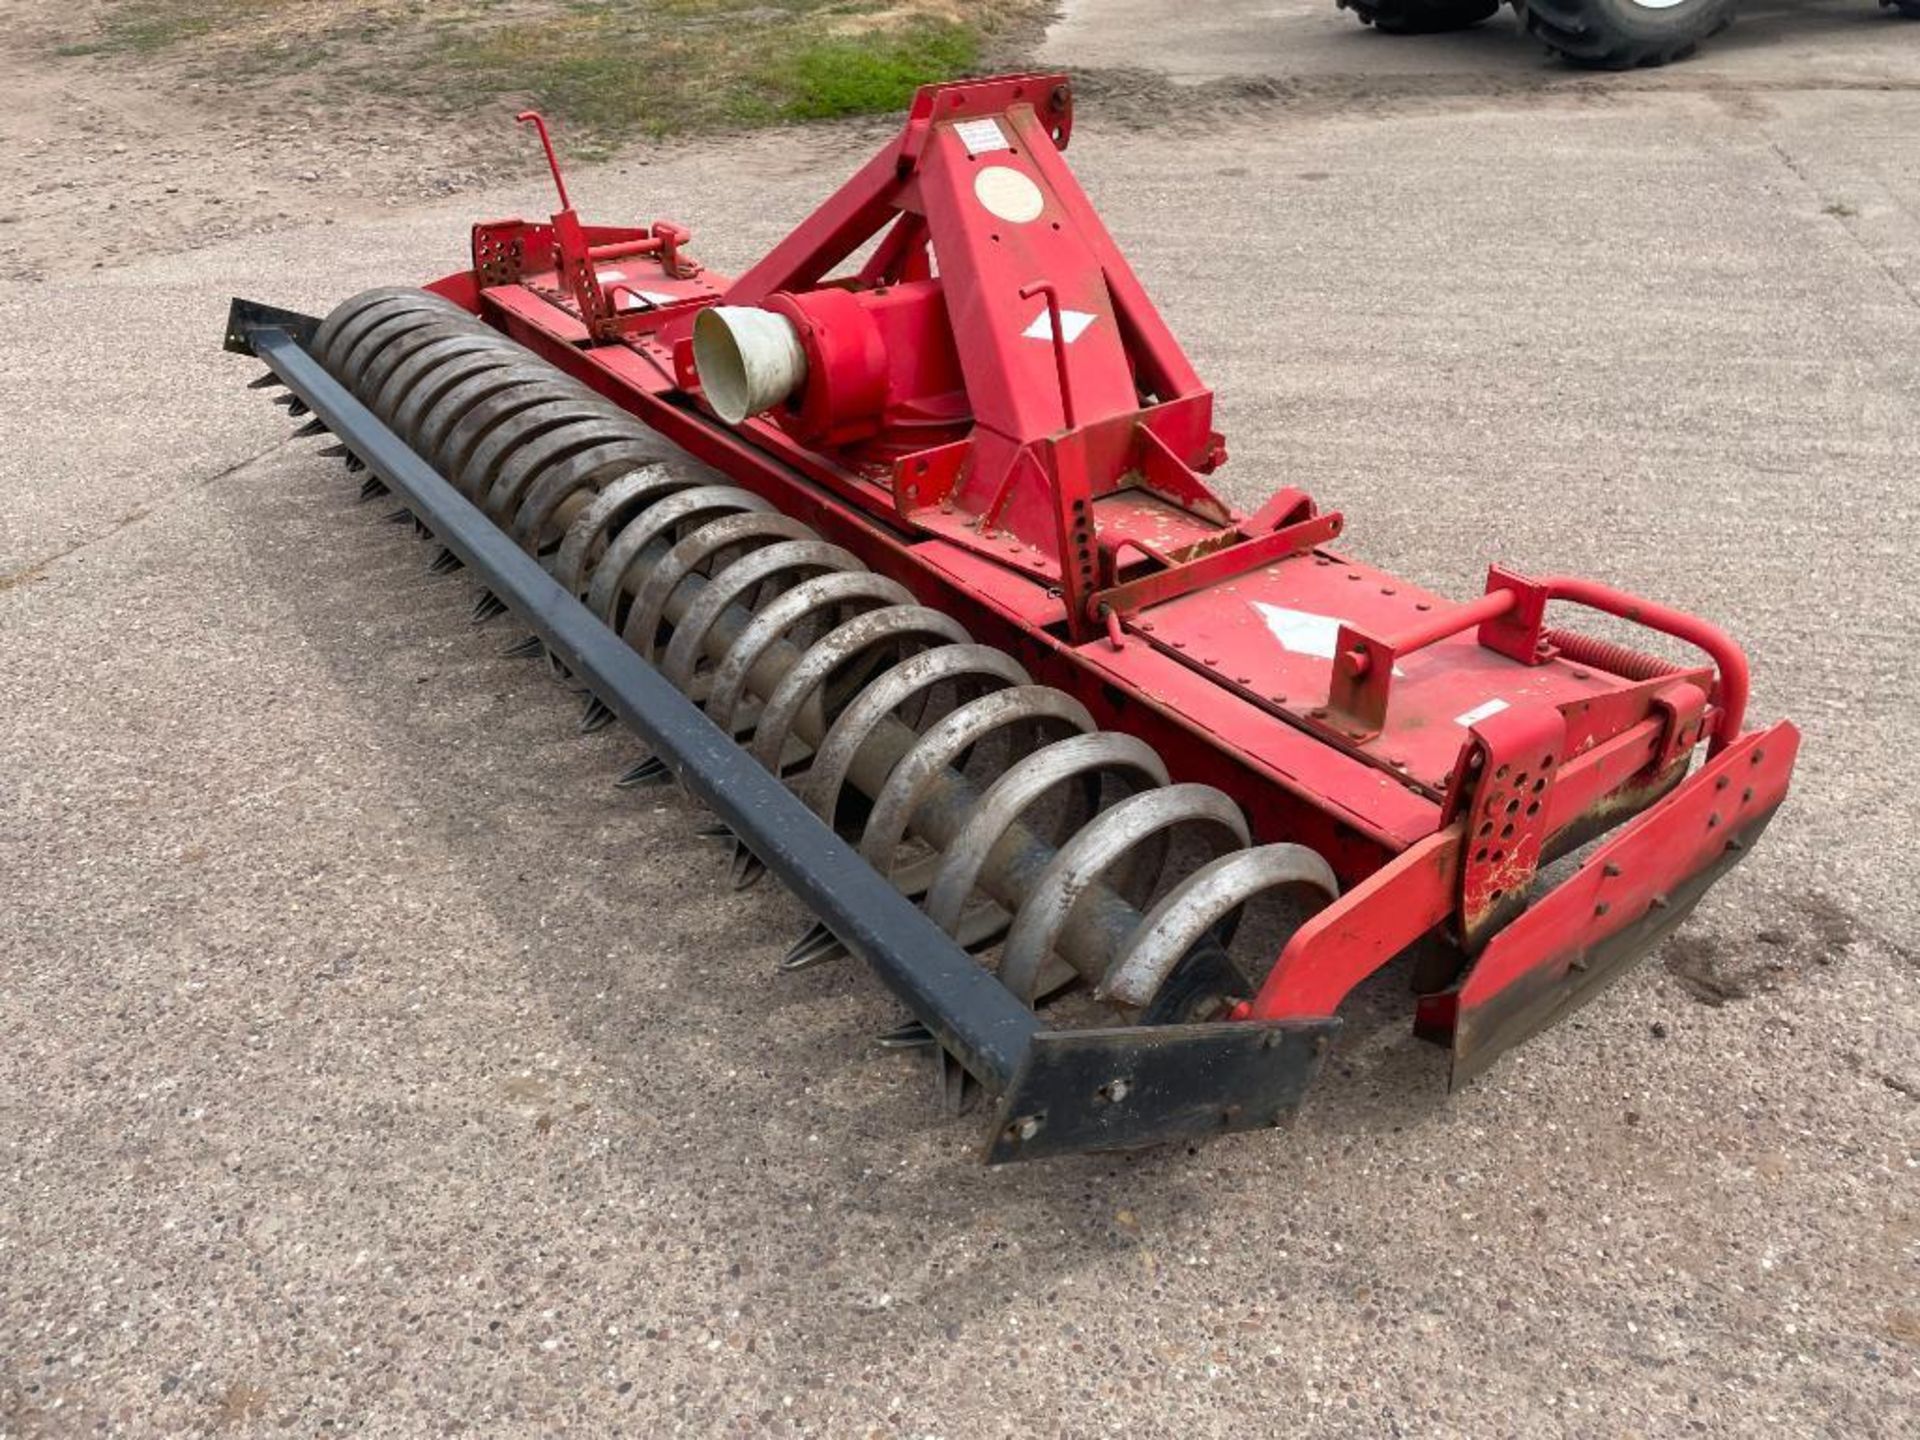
x=1026, y=1127
x=1602, y=908
x=1610, y=870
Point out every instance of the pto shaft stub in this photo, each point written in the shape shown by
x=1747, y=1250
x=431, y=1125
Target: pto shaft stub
x=749, y=360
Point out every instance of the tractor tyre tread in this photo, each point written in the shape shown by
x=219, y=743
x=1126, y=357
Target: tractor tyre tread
x=1618, y=35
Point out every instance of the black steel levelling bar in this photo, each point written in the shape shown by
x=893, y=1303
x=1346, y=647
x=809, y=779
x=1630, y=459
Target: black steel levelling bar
x=985, y=1027
x=1060, y=1091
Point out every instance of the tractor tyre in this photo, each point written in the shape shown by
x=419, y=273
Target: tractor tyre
x=1626, y=34
x=1908, y=8
x=1421, y=17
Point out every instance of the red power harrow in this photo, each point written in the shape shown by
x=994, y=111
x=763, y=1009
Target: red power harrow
x=898, y=552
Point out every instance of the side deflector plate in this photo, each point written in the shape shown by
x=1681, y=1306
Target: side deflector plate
x=1631, y=893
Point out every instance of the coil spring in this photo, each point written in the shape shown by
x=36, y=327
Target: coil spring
x=828, y=672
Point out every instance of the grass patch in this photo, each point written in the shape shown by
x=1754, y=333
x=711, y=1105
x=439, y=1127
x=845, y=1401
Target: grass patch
x=608, y=70
x=836, y=77
x=696, y=64
x=147, y=27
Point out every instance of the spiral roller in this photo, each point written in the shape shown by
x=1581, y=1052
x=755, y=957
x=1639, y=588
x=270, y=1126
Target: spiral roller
x=996, y=801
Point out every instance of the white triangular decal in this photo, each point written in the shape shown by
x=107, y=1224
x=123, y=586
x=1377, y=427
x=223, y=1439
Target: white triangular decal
x=1073, y=324
x=1302, y=632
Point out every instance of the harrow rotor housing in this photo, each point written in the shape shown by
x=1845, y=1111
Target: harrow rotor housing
x=949, y=500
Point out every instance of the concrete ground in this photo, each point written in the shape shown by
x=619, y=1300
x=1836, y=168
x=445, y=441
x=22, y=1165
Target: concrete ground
x=372, y=1065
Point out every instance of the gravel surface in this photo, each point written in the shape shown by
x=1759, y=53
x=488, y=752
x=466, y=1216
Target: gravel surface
x=372, y=1065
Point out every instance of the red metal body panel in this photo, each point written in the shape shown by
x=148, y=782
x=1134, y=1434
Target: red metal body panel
x=995, y=415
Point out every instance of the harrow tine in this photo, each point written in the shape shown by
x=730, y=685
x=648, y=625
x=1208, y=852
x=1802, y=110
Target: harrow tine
x=746, y=867
x=402, y=516
x=444, y=562
x=594, y=716
x=527, y=649
x=486, y=606
x=312, y=428
x=958, y=1089
x=715, y=830
x=267, y=381
x=420, y=530
x=354, y=464
x=371, y=488
x=818, y=946
x=910, y=1035
x=650, y=771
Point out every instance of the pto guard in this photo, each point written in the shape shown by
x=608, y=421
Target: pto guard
x=1627, y=897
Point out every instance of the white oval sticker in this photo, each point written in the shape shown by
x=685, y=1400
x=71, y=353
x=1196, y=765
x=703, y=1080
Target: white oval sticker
x=1008, y=194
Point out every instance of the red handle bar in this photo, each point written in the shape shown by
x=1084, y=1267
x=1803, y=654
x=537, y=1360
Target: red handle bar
x=1728, y=658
